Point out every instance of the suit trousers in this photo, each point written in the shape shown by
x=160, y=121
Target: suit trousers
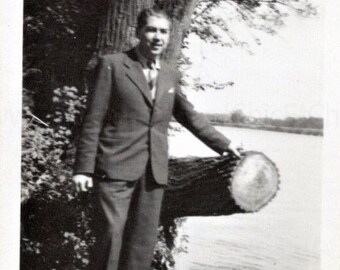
x=126, y=222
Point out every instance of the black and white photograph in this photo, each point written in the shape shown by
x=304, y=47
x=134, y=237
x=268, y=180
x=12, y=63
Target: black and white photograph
x=172, y=135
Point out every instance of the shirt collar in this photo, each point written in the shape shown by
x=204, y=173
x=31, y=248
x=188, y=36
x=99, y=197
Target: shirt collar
x=144, y=60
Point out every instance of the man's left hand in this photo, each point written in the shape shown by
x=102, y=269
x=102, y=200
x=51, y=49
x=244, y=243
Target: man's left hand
x=235, y=148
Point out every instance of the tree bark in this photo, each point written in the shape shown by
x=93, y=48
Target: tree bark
x=180, y=11
x=199, y=187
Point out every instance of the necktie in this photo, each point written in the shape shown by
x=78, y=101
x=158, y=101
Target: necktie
x=152, y=78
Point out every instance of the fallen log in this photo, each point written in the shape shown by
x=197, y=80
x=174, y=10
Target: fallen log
x=219, y=185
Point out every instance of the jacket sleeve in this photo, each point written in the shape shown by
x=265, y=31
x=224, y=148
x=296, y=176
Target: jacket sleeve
x=93, y=121
x=198, y=124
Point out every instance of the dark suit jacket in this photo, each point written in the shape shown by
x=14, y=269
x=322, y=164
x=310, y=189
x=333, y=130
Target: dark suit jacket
x=124, y=128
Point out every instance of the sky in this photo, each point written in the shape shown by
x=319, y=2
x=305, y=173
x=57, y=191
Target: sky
x=281, y=78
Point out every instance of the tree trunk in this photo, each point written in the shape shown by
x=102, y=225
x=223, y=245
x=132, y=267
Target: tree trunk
x=180, y=11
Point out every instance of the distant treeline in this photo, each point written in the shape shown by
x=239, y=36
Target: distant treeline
x=300, y=125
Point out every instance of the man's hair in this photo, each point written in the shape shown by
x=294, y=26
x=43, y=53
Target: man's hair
x=148, y=12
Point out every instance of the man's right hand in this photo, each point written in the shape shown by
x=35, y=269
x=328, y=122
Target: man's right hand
x=82, y=182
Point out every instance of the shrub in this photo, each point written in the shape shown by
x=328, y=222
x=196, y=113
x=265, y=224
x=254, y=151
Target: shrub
x=55, y=229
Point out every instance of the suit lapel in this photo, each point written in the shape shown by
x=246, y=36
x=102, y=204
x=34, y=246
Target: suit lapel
x=163, y=84
x=135, y=73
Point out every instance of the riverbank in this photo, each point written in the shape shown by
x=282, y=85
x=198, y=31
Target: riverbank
x=303, y=131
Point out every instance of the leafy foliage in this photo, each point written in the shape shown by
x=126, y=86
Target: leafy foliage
x=238, y=116
x=59, y=37
x=51, y=216
x=165, y=248
x=43, y=144
x=299, y=122
x=187, y=82
x=218, y=21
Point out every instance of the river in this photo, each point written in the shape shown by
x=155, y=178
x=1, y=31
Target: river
x=285, y=235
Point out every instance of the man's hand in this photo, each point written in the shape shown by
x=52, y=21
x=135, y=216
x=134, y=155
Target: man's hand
x=236, y=149
x=82, y=182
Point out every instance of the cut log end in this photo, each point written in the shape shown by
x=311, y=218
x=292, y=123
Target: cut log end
x=255, y=182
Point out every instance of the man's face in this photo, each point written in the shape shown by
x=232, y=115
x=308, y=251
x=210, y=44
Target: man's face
x=154, y=36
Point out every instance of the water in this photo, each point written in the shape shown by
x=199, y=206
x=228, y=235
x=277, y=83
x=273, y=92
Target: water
x=285, y=235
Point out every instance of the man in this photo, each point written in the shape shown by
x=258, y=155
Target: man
x=124, y=148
